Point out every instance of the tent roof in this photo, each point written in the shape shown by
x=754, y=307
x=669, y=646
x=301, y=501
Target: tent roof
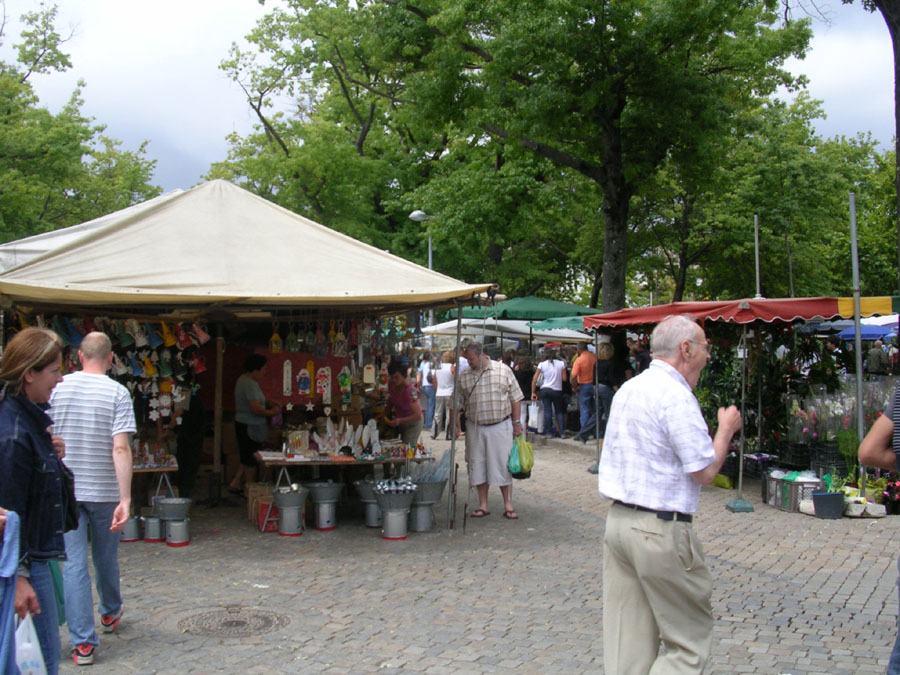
x=530, y=308
x=748, y=310
x=216, y=245
x=505, y=328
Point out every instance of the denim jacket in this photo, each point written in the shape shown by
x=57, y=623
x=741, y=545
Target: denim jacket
x=31, y=479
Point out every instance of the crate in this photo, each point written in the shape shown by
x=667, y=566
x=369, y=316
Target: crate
x=260, y=507
x=787, y=495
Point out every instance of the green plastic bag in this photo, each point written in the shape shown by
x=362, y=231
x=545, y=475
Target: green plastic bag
x=521, y=458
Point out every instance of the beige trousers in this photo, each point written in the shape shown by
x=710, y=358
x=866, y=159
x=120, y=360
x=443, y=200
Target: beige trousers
x=656, y=589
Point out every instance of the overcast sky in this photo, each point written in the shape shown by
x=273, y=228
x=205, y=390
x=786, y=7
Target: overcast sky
x=151, y=72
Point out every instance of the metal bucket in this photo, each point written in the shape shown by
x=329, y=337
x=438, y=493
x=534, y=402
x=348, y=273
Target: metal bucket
x=429, y=492
x=132, y=531
x=152, y=529
x=324, y=492
x=326, y=515
x=172, y=508
x=286, y=498
x=394, y=525
x=290, y=521
x=178, y=533
x=421, y=518
x=366, y=491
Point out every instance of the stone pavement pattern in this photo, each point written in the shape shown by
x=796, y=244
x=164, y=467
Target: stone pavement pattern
x=793, y=594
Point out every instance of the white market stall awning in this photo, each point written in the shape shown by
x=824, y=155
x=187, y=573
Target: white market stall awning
x=508, y=328
x=216, y=245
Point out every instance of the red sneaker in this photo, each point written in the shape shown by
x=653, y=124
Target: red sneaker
x=110, y=622
x=83, y=655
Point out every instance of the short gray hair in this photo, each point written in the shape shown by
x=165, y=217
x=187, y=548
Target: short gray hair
x=670, y=333
x=476, y=347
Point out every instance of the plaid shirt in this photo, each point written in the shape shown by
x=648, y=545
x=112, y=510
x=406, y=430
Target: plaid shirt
x=487, y=398
x=655, y=438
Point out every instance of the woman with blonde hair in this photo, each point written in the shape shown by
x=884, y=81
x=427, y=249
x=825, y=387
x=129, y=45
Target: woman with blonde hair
x=31, y=476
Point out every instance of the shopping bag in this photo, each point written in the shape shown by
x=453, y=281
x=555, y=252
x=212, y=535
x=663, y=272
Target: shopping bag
x=513, y=463
x=519, y=455
x=534, y=415
x=29, y=658
x=526, y=455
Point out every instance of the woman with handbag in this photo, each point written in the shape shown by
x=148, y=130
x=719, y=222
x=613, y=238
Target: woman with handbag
x=552, y=373
x=32, y=477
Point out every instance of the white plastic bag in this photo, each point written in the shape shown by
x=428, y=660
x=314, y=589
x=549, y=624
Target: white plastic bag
x=29, y=657
x=535, y=418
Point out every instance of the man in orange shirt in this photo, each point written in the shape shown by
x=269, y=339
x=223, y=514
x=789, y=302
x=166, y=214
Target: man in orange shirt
x=583, y=383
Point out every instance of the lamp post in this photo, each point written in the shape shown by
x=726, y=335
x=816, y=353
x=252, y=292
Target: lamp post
x=420, y=217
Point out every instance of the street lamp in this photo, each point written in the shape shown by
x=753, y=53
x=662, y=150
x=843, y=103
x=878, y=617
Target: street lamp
x=420, y=217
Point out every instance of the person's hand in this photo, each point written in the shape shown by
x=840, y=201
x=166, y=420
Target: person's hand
x=3, y=513
x=59, y=445
x=120, y=517
x=730, y=419
x=26, y=600
x=534, y=397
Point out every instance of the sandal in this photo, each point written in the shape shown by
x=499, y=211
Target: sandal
x=510, y=515
x=479, y=513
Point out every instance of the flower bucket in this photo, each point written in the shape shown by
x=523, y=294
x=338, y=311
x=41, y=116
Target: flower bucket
x=828, y=505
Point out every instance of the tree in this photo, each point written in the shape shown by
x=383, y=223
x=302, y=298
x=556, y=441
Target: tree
x=604, y=89
x=57, y=170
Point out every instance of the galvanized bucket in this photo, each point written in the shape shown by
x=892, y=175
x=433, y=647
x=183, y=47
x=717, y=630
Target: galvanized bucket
x=178, y=532
x=153, y=532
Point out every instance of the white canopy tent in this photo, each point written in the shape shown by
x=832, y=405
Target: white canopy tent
x=215, y=248
x=216, y=245
x=505, y=328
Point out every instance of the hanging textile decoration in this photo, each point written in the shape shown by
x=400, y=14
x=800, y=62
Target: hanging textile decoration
x=304, y=381
x=340, y=342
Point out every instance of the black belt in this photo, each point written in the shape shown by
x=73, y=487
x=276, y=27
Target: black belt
x=662, y=515
x=492, y=424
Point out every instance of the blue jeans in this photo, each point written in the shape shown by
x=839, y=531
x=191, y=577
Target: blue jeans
x=604, y=394
x=77, y=577
x=585, y=405
x=554, y=402
x=894, y=664
x=428, y=390
x=46, y=624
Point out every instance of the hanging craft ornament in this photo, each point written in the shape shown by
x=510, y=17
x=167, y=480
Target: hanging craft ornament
x=340, y=342
x=383, y=377
x=332, y=335
x=368, y=374
x=310, y=336
x=287, y=378
x=292, y=342
x=310, y=406
x=275, y=343
x=320, y=349
x=344, y=381
x=323, y=384
x=304, y=382
x=365, y=333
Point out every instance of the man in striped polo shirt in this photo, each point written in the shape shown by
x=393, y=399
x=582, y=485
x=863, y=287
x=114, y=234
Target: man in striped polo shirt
x=95, y=416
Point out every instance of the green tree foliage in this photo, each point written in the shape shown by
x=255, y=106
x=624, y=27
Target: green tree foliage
x=57, y=170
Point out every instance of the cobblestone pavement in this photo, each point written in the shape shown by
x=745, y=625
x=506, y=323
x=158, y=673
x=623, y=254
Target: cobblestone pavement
x=793, y=594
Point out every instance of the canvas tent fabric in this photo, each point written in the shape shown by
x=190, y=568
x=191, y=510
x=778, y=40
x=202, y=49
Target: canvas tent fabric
x=219, y=245
x=529, y=308
x=477, y=328
x=748, y=310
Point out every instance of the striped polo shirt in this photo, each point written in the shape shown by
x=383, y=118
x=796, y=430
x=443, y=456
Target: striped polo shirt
x=87, y=411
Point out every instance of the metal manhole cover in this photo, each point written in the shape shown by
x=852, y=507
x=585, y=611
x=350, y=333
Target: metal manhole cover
x=234, y=622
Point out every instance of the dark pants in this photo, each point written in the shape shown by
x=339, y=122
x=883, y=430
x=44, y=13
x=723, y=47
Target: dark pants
x=554, y=403
x=598, y=423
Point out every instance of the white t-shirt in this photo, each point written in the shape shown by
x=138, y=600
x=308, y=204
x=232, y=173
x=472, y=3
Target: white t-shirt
x=553, y=371
x=87, y=411
x=444, y=380
x=425, y=368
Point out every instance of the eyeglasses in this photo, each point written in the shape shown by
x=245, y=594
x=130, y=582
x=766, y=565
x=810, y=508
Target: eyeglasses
x=703, y=344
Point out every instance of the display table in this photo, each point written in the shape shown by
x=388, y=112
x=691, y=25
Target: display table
x=269, y=460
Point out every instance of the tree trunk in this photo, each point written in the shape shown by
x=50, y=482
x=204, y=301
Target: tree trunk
x=890, y=11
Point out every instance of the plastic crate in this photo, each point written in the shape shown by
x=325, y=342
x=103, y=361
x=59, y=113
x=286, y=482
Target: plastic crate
x=786, y=495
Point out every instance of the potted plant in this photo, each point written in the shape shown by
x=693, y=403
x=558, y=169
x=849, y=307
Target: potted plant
x=892, y=496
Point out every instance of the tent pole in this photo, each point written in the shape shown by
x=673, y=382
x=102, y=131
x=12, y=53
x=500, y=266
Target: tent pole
x=454, y=407
x=857, y=344
x=741, y=505
x=595, y=468
x=215, y=489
